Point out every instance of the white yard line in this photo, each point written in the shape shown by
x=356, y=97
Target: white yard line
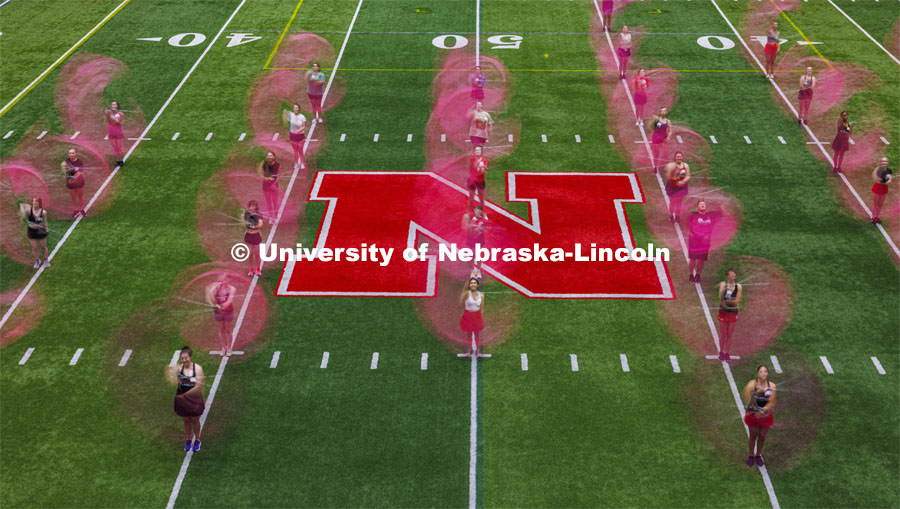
x=473, y=389
x=624, y=361
x=573, y=359
x=776, y=364
x=423, y=364
x=709, y=322
x=25, y=357
x=826, y=364
x=112, y=174
x=809, y=131
x=124, y=360
x=325, y=357
x=878, y=366
x=675, y=367
x=75, y=357
x=374, y=364
x=524, y=358
x=861, y=29
x=275, y=357
x=174, y=360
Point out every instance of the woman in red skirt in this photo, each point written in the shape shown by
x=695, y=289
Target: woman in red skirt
x=252, y=221
x=678, y=174
x=189, y=404
x=805, y=95
x=624, y=51
x=641, y=83
x=270, y=171
x=315, y=83
x=661, y=127
x=73, y=169
x=220, y=295
x=759, y=397
x=841, y=141
x=882, y=176
x=114, y=121
x=472, y=322
x=730, y=295
x=773, y=40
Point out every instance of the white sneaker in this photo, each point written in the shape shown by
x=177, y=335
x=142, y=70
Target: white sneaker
x=37, y=264
x=472, y=273
x=47, y=263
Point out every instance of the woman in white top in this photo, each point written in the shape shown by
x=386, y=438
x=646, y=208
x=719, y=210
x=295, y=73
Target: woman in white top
x=805, y=95
x=472, y=322
x=624, y=51
x=297, y=121
x=482, y=125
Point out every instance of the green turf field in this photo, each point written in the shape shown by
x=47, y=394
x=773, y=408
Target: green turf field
x=553, y=418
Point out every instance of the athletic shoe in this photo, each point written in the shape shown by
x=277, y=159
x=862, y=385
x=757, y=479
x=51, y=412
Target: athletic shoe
x=47, y=263
x=697, y=279
x=258, y=272
x=759, y=461
x=877, y=220
x=75, y=214
x=83, y=213
x=196, y=445
x=750, y=461
x=637, y=122
x=37, y=263
x=721, y=356
x=468, y=353
x=250, y=273
x=479, y=354
x=806, y=121
x=478, y=274
x=799, y=122
x=727, y=357
x=187, y=445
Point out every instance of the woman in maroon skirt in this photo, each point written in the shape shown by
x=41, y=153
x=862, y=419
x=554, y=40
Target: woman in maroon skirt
x=759, y=397
x=805, y=95
x=882, y=175
x=220, y=295
x=297, y=133
x=624, y=51
x=661, y=127
x=73, y=169
x=315, y=83
x=678, y=174
x=841, y=140
x=641, y=83
x=773, y=40
x=472, y=322
x=252, y=221
x=114, y=121
x=189, y=404
x=730, y=295
x=270, y=171
x=607, y=7
x=477, y=81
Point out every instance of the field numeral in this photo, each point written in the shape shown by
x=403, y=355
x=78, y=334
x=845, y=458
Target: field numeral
x=177, y=40
x=451, y=41
x=241, y=38
x=723, y=42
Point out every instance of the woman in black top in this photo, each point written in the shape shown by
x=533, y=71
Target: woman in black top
x=189, y=402
x=35, y=217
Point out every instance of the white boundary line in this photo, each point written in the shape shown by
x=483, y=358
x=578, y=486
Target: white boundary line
x=712, y=328
x=861, y=29
x=65, y=55
x=240, y=319
x=112, y=174
x=809, y=131
x=473, y=399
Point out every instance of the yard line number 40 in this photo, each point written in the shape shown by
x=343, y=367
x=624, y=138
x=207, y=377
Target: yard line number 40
x=457, y=41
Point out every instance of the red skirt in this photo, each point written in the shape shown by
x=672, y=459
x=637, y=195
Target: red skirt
x=475, y=184
x=640, y=98
x=806, y=93
x=114, y=131
x=471, y=321
x=186, y=406
x=879, y=188
x=771, y=49
x=477, y=141
x=252, y=239
x=755, y=421
x=223, y=315
x=698, y=248
x=297, y=137
x=607, y=6
x=841, y=142
x=77, y=182
x=624, y=52
x=270, y=186
x=727, y=317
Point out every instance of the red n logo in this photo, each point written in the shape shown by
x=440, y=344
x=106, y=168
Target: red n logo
x=392, y=209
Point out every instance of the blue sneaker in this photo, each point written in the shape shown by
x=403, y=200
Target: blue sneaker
x=187, y=445
x=196, y=445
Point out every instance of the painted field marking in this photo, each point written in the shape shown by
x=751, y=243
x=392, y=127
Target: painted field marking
x=175, y=356
x=325, y=357
x=716, y=357
x=275, y=357
x=209, y=136
x=574, y=360
x=374, y=364
x=140, y=139
x=343, y=137
x=776, y=364
x=175, y=136
x=275, y=137
x=75, y=135
x=283, y=33
x=65, y=55
x=524, y=359
x=25, y=357
x=375, y=138
x=678, y=137
x=408, y=137
x=826, y=364
x=43, y=133
x=861, y=29
x=423, y=364
x=75, y=357
x=577, y=138
x=509, y=138
x=884, y=140
x=811, y=134
x=124, y=360
x=773, y=498
x=7, y=135
x=443, y=138
x=624, y=361
x=242, y=136
x=544, y=138
x=878, y=366
x=713, y=139
x=674, y=361
x=782, y=140
x=747, y=139
x=611, y=139
x=151, y=39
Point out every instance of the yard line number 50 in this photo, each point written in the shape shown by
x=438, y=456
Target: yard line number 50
x=458, y=41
